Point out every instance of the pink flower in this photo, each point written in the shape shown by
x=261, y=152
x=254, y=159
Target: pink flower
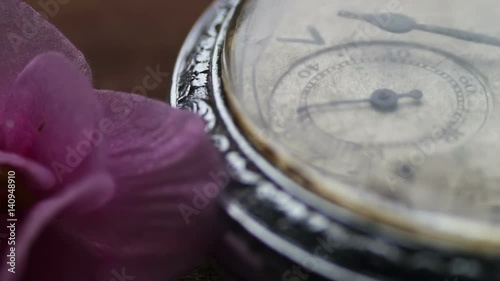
x=100, y=175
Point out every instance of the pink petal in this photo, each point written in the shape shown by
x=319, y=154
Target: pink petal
x=77, y=263
x=25, y=35
x=37, y=175
x=50, y=117
x=95, y=190
x=162, y=160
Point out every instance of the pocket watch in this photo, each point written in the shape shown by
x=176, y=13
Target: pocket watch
x=362, y=137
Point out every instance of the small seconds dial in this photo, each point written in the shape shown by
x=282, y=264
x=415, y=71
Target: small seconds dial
x=377, y=95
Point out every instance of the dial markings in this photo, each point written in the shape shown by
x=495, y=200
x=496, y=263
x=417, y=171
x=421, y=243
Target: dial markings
x=316, y=38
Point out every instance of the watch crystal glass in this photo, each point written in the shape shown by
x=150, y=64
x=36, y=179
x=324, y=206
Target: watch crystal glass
x=387, y=108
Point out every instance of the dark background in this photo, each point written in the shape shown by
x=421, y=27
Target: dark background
x=120, y=38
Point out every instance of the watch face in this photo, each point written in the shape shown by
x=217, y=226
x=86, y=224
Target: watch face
x=387, y=108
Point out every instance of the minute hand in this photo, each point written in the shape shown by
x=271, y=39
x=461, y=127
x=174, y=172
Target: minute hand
x=398, y=23
x=460, y=34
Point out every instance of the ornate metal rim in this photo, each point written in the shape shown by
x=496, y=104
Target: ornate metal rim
x=270, y=213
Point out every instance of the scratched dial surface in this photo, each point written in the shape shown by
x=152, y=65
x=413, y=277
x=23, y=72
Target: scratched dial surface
x=387, y=107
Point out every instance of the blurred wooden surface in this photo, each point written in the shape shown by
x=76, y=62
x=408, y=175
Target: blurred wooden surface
x=120, y=38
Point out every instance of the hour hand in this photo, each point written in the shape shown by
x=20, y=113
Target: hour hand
x=399, y=23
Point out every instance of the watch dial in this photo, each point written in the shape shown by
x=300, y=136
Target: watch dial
x=386, y=107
